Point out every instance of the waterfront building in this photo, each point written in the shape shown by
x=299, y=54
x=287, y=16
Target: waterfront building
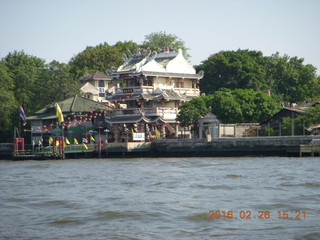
x=275, y=121
x=149, y=89
x=82, y=117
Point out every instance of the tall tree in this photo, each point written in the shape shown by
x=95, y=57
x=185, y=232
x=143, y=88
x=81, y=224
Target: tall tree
x=25, y=70
x=8, y=105
x=233, y=69
x=191, y=111
x=157, y=41
x=98, y=58
x=56, y=83
x=290, y=79
x=126, y=46
x=287, y=78
x=230, y=106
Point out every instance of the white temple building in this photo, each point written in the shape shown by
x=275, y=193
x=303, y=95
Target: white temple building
x=149, y=88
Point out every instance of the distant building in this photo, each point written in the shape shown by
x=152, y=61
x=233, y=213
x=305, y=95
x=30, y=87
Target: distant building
x=96, y=86
x=276, y=120
x=150, y=87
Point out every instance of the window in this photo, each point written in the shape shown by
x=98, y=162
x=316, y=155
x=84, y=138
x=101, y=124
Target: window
x=102, y=92
x=179, y=84
x=101, y=83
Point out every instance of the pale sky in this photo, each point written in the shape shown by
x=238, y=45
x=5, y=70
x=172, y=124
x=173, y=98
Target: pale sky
x=60, y=29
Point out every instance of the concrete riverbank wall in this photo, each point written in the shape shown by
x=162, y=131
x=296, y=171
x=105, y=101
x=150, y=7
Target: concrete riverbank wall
x=251, y=146
x=225, y=147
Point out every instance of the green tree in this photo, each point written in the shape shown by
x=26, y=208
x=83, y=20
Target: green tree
x=8, y=105
x=191, y=111
x=56, y=84
x=242, y=105
x=126, y=46
x=226, y=107
x=25, y=70
x=99, y=58
x=233, y=69
x=290, y=80
x=157, y=41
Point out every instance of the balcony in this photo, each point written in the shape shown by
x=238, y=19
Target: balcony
x=188, y=91
x=135, y=90
x=165, y=113
x=150, y=89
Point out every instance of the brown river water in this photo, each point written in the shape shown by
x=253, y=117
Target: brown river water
x=161, y=198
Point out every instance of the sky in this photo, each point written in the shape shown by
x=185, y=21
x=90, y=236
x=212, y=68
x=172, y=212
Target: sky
x=60, y=29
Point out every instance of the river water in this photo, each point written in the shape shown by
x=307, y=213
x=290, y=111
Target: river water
x=162, y=198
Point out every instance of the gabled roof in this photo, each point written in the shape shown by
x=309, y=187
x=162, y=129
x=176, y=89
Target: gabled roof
x=164, y=62
x=166, y=94
x=89, y=88
x=284, y=112
x=69, y=106
x=96, y=75
x=134, y=119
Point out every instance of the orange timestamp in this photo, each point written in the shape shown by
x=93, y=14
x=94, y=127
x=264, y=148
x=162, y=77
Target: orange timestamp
x=217, y=214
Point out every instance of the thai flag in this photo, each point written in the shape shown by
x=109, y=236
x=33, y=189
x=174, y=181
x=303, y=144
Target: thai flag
x=23, y=116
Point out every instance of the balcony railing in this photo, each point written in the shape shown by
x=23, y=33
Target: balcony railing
x=166, y=113
x=134, y=90
x=188, y=91
x=150, y=90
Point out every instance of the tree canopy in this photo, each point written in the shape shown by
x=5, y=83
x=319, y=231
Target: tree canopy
x=233, y=69
x=157, y=41
x=287, y=78
x=191, y=111
x=98, y=58
x=230, y=106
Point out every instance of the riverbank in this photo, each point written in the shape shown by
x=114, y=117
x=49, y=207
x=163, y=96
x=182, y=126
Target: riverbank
x=292, y=146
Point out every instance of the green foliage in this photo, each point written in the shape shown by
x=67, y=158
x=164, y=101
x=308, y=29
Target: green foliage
x=98, y=58
x=192, y=111
x=230, y=106
x=8, y=104
x=233, y=69
x=242, y=106
x=126, y=46
x=56, y=84
x=157, y=41
x=293, y=126
x=225, y=106
x=25, y=71
x=288, y=78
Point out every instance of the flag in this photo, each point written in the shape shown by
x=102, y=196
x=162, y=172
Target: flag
x=57, y=143
x=85, y=146
x=23, y=116
x=67, y=141
x=75, y=141
x=59, y=113
x=157, y=134
x=92, y=138
x=50, y=139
